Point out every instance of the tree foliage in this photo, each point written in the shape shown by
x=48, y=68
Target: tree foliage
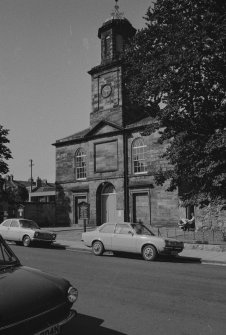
x=16, y=194
x=175, y=70
x=5, y=152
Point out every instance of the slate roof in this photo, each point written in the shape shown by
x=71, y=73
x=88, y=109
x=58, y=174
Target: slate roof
x=75, y=136
x=44, y=188
x=82, y=134
x=143, y=122
x=24, y=183
x=17, y=183
x=91, y=130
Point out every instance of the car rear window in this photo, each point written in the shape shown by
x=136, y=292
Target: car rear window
x=6, y=223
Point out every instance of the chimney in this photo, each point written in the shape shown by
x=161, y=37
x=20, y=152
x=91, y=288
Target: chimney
x=38, y=182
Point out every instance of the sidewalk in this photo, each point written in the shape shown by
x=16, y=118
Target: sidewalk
x=70, y=238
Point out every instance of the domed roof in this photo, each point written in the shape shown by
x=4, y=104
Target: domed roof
x=116, y=15
x=117, y=18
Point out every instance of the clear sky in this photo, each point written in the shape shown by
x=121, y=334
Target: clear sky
x=46, y=49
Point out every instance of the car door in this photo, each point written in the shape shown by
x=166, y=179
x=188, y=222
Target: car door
x=14, y=231
x=4, y=231
x=124, y=238
x=106, y=233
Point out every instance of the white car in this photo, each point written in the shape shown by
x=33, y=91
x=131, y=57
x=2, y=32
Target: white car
x=130, y=238
x=25, y=231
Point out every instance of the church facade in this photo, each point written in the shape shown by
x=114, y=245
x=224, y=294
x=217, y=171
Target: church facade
x=110, y=164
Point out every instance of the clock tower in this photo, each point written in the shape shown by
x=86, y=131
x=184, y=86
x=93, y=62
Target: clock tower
x=107, y=98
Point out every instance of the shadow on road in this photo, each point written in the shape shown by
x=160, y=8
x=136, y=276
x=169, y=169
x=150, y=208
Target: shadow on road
x=85, y=324
x=180, y=259
x=172, y=259
x=53, y=246
x=40, y=245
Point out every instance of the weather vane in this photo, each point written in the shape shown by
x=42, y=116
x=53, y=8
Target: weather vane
x=116, y=14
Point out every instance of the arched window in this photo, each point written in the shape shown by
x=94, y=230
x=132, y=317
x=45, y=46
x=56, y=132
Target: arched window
x=119, y=43
x=139, y=156
x=108, y=188
x=80, y=164
x=107, y=42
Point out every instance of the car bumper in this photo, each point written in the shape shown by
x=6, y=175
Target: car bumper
x=172, y=250
x=40, y=324
x=40, y=240
x=60, y=324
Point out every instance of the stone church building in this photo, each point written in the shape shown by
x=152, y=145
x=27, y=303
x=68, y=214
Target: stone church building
x=110, y=164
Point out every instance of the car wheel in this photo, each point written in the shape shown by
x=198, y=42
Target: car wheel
x=98, y=248
x=149, y=253
x=26, y=241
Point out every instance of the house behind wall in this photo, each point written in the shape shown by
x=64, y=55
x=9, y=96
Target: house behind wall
x=41, y=206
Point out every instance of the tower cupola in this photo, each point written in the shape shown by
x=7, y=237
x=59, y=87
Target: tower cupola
x=114, y=34
x=107, y=78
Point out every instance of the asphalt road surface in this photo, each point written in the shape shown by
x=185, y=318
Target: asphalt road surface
x=126, y=295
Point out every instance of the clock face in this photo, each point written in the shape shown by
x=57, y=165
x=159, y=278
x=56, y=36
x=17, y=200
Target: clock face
x=106, y=91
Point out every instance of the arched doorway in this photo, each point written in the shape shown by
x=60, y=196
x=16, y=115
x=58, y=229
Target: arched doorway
x=106, y=201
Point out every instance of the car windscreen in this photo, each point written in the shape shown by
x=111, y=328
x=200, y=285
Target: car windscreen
x=29, y=224
x=140, y=229
x=7, y=257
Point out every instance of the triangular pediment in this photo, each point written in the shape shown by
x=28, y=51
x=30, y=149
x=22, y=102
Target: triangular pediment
x=103, y=127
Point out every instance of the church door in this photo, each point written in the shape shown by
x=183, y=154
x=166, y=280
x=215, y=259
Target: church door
x=77, y=199
x=108, y=204
x=141, y=207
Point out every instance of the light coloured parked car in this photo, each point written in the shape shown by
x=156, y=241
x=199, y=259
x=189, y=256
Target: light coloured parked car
x=25, y=231
x=130, y=238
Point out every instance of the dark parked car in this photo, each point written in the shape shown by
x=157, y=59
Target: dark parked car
x=32, y=302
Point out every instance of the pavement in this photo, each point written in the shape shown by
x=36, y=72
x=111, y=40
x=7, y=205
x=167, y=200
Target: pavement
x=70, y=238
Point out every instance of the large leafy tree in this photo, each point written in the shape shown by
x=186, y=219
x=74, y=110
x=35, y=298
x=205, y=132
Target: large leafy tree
x=5, y=152
x=16, y=193
x=175, y=70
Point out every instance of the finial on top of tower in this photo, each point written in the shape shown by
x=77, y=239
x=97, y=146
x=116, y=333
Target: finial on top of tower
x=116, y=14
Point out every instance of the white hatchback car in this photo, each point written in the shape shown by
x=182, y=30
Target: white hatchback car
x=25, y=231
x=130, y=238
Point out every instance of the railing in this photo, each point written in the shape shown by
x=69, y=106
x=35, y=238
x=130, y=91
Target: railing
x=208, y=236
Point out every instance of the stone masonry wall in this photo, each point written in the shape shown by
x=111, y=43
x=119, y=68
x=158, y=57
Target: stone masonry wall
x=108, y=108
x=164, y=204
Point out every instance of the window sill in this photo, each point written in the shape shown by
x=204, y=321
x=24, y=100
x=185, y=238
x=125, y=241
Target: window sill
x=140, y=173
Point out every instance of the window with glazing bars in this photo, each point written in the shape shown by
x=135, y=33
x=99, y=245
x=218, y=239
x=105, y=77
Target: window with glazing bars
x=139, y=150
x=80, y=164
x=107, y=42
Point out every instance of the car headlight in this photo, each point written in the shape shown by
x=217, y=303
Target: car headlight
x=72, y=294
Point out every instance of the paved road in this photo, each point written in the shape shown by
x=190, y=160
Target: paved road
x=120, y=295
